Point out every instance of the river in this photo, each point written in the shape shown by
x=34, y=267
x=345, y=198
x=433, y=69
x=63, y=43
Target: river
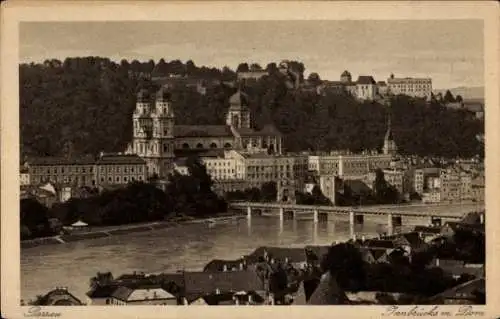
x=187, y=247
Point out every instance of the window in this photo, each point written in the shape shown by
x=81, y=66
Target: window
x=213, y=145
x=118, y=179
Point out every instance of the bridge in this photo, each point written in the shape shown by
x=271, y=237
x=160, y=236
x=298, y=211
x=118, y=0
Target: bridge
x=397, y=215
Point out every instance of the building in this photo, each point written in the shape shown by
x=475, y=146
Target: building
x=415, y=87
x=198, y=284
x=328, y=186
x=259, y=167
x=78, y=171
x=468, y=293
x=396, y=178
x=451, y=185
x=347, y=165
x=251, y=75
x=414, y=181
x=431, y=197
x=366, y=88
x=115, y=169
x=59, y=297
x=156, y=137
x=142, y=295
x=220, y=168
x=24, y=177
x=153, y=129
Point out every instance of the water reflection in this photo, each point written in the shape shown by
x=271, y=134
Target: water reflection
x=188, y=247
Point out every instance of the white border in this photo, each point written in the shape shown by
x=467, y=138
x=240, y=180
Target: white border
x=16, y=11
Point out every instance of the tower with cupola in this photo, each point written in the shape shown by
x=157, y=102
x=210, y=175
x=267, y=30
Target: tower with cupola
x=238, y=115
x=153, y=137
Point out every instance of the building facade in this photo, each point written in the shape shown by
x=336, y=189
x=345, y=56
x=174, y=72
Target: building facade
x=88, y=171
x=115, y=169
x=156, y=138
x=349, y=166
x=415, y=87
x=76, y=172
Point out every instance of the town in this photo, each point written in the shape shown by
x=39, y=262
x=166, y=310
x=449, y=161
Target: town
x=174, y=173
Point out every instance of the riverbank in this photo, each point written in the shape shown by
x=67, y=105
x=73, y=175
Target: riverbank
x=102, y=232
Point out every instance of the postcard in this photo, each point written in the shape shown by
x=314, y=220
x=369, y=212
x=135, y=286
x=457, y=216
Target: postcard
x=298, y=154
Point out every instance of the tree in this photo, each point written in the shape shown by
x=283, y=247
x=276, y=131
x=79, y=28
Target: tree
x=448, y=97
x=243, y=67
x=314, y=78
x=101, y=279
x=344, y=262
x=255, y=67
x=271, y=67
x=269, y=191
x=34, y=218
x=459, y=99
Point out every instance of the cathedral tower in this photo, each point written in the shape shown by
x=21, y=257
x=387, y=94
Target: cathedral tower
x=238, y=115
x=153, y=126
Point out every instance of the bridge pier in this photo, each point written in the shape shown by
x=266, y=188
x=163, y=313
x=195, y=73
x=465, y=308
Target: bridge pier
x=390, y=225
x=351, y=218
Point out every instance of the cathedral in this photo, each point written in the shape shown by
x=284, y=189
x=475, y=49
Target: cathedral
x=157, y=139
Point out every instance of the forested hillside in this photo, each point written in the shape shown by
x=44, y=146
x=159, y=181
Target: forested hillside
x=84, y=105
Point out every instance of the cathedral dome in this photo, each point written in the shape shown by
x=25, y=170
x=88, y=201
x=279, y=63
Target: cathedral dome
x=238, y=99
x=345, y=73
x=163, y=94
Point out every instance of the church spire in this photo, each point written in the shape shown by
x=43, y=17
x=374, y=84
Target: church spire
x=389, y=143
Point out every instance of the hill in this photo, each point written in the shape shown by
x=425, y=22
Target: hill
x=85, y=105
x=475, y=93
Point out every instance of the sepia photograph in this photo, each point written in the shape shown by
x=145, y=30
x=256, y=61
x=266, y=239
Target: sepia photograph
x=171, y=162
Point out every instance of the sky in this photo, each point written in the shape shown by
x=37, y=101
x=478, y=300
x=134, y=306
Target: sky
x=451, y=52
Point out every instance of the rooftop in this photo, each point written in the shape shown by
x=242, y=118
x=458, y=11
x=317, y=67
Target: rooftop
x=365, y=79
x=231, y=281
x=113, y=159
x=202, y=131
x=49, y=160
